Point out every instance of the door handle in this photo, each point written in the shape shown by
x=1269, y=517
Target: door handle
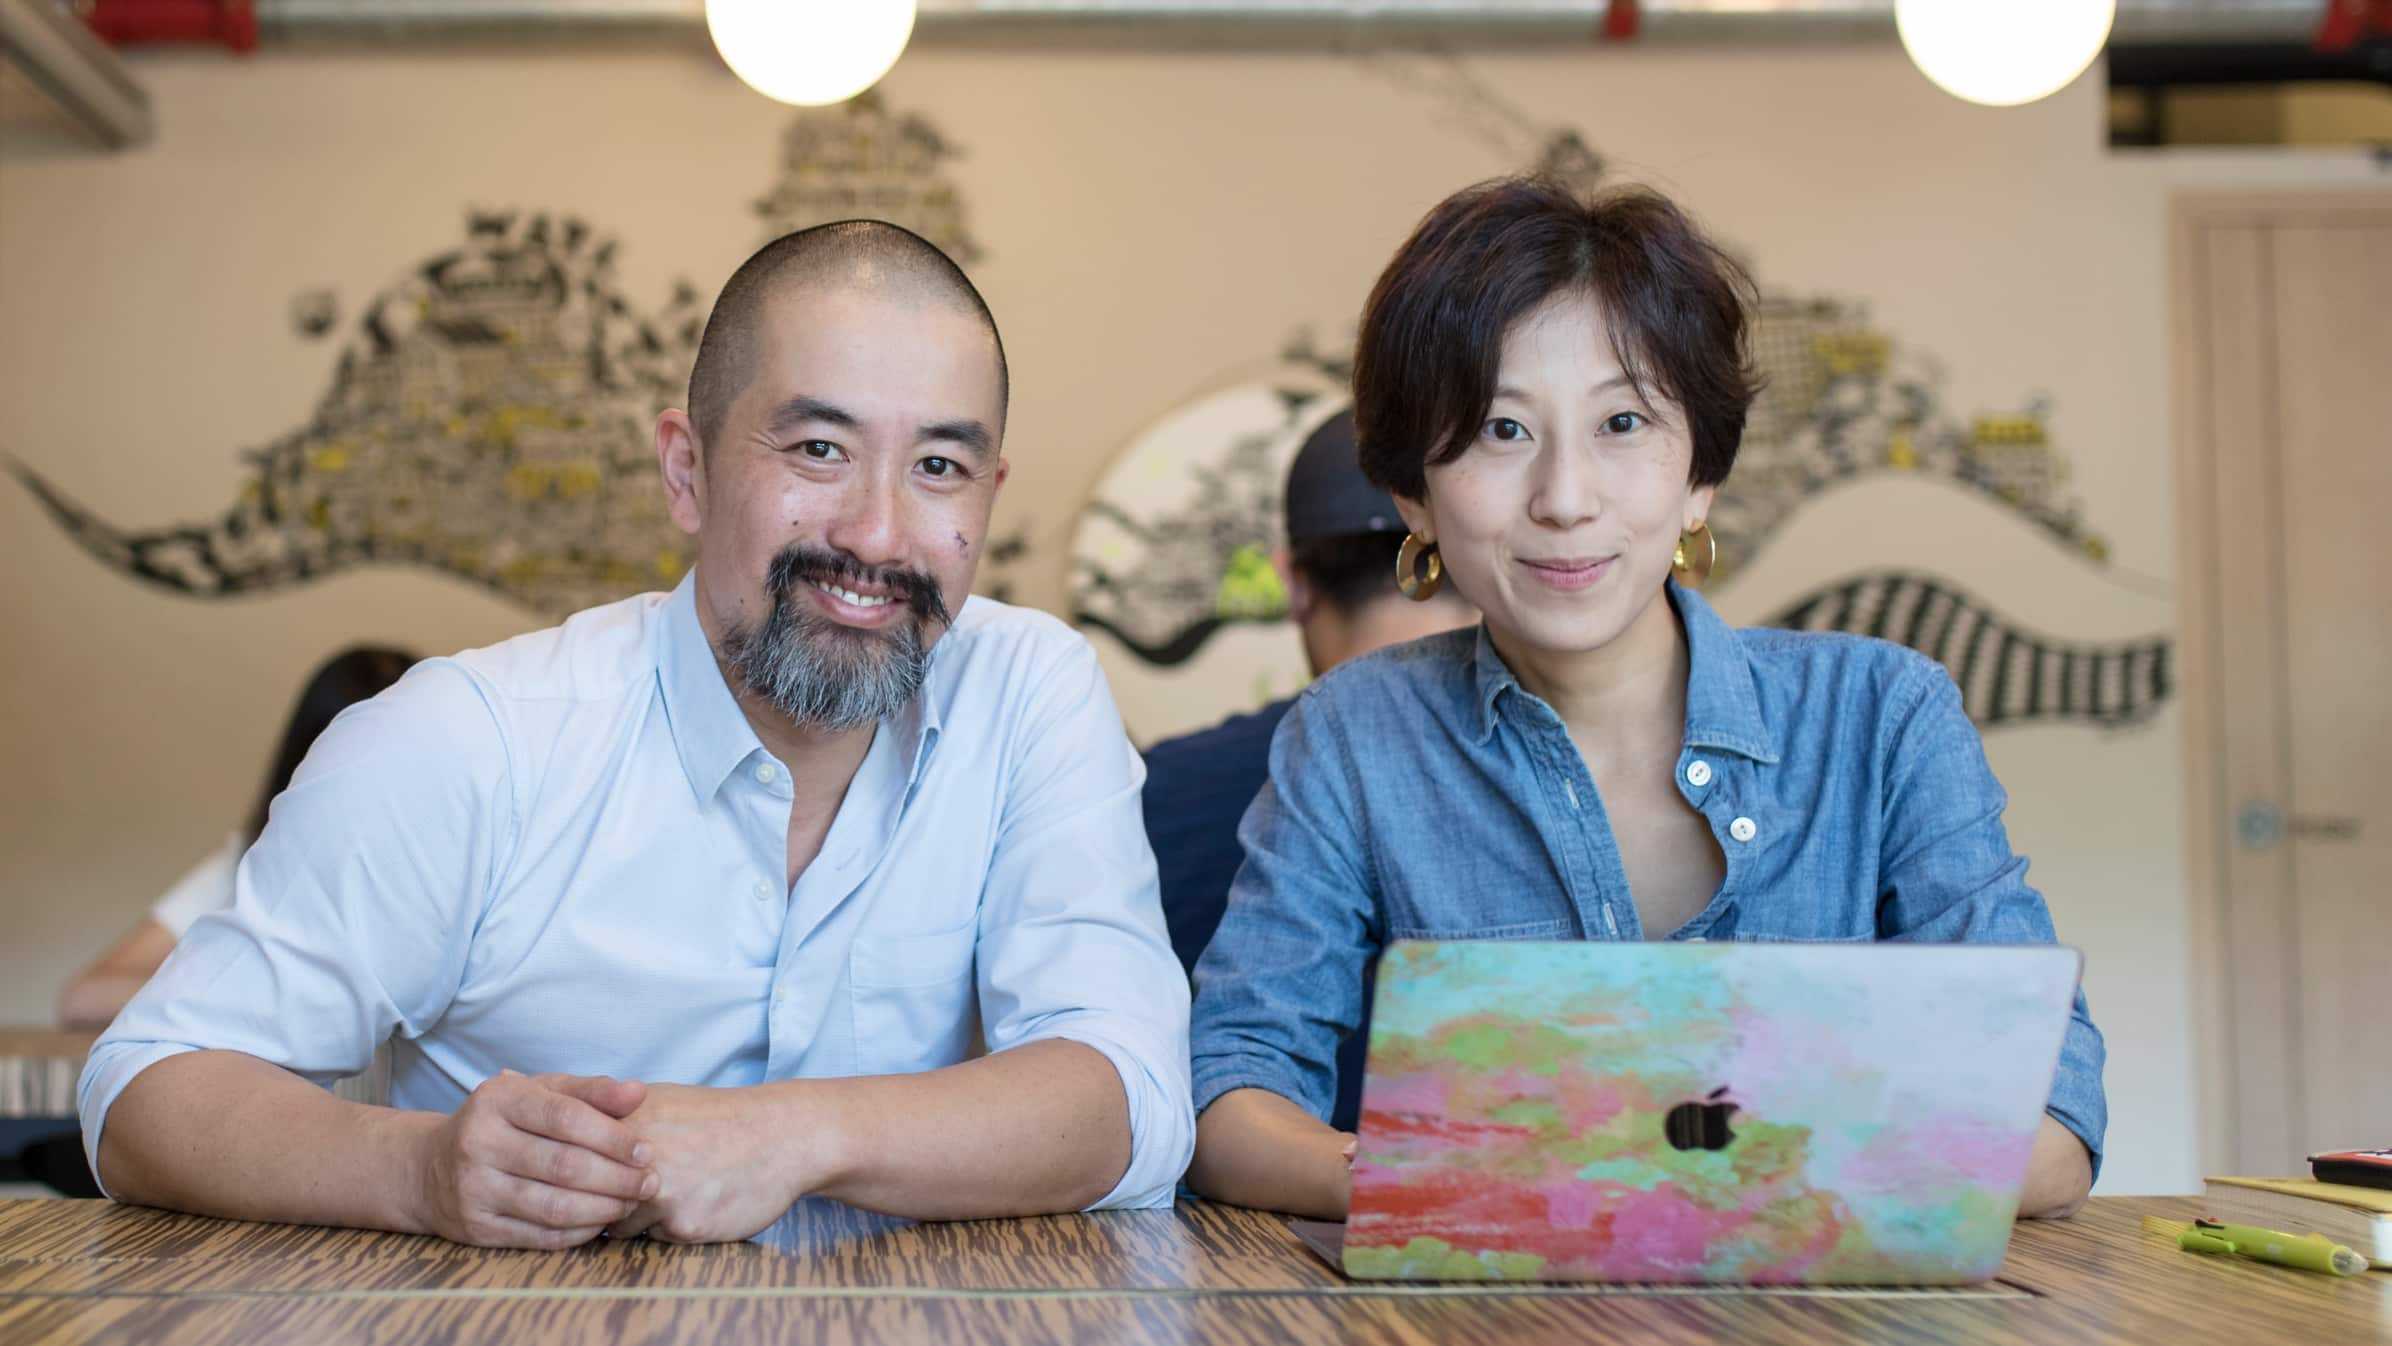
x=2260, y=825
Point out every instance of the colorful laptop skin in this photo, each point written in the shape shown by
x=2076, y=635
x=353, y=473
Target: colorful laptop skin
x=1739, y=1113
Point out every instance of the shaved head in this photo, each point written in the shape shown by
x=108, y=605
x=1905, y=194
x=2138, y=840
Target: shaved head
x=866, y=256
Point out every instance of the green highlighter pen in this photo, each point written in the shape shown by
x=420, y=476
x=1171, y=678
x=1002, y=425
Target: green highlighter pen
x=2314, y=1252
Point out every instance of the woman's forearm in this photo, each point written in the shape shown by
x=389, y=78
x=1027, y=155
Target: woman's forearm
x=2059, y=1174
x=1254, y=1148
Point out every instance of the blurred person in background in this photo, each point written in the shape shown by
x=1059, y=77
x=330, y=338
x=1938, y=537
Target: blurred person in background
x=1339, y=569
x=95, y=994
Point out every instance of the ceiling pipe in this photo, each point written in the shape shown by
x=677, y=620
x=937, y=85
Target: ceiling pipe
x=2183, y=64
x=1253, y=23
x=76, y=69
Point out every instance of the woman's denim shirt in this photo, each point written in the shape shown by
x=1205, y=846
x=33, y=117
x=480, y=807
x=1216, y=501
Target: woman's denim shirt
x=1421, y=793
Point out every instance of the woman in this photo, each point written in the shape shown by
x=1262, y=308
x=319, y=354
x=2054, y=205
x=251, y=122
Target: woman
x=1552, y=389
x=92, y=999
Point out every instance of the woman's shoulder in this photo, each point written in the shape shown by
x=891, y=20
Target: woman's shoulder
x=1436, y=670
x=1392, y=699
x=1374, y=728
x=1794, y=668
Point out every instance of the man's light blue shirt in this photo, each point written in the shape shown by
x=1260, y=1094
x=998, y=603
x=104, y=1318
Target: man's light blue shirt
x=567, y=852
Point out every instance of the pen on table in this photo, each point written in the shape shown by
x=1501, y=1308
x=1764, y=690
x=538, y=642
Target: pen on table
x=2313, y=1252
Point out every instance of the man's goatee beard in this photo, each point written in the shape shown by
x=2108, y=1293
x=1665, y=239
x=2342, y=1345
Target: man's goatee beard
x=824, y=675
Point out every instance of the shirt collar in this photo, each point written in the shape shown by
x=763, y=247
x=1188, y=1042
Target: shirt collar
x=1490, y=677
x=1723, y=708
x=712, y=734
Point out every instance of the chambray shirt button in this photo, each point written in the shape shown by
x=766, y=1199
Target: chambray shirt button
x=1743, y=830
x=763, y=891
x=1698, y=773
x=766, y=773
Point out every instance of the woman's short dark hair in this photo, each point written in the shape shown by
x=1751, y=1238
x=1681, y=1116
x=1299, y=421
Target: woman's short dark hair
x=1677, y=306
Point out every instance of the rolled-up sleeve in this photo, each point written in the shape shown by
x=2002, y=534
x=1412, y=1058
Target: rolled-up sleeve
x=1948, y=874
x=1071, y=938
x=353, y=911
x=1280, y=986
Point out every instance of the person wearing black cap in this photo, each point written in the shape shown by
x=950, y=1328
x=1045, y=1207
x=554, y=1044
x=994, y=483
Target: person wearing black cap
x=1339, y=570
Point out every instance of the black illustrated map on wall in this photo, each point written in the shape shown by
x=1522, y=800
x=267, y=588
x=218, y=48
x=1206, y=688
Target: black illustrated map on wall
x=491, y=415
x=2005, y=674
x=1203, y=562
x=1836, y=410
x=1842, y=401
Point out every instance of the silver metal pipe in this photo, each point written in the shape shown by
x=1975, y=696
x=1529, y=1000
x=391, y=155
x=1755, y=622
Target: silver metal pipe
x=1176, y=23
x=61, y=56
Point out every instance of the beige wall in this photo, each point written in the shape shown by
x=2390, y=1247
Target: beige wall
x=1150, y=223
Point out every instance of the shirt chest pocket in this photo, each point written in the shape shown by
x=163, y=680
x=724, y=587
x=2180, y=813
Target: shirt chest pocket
x=913, y=1000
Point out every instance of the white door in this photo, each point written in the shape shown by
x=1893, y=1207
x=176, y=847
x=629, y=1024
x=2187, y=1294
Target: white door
x=2285, y=375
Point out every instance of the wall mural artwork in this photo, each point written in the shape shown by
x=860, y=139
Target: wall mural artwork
x=1173, y=551
x=490, y=418
x=491, y=415
x=862, y=160
x=2006, y=675
x=1176, y=543
x=1842, y=400
x=1171, y=557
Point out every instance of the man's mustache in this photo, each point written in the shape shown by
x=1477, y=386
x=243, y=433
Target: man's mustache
x=828, y=565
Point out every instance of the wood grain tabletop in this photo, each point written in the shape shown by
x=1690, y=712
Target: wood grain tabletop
x=91, y=1271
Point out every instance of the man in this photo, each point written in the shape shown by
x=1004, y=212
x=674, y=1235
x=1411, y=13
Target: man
x=750, y=847
x=1339, y=569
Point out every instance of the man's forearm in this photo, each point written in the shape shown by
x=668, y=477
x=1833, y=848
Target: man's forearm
x=223, y=1133
x=1044, y=1127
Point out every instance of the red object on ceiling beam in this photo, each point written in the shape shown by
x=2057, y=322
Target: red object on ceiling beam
x=125, y=23
x=1620, y=22
x=2347, y=21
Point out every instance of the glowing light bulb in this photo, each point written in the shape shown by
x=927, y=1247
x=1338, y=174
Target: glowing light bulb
x=810, y=52
x=2004, y=52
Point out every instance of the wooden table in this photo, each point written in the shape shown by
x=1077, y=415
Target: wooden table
x=88, y=1271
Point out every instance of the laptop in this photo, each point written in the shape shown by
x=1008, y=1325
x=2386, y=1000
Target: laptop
x=1764, y=1114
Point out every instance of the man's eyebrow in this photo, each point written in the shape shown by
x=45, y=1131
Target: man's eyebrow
x=802, y=408
x=969, y=433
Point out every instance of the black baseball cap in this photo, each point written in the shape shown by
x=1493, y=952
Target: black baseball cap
x=1327, y=495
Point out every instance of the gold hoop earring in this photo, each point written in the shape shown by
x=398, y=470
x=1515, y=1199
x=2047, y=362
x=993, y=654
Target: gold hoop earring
x=1691, y=567
x=1417, y=587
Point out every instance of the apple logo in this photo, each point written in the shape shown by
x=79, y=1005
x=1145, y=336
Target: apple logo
x=1700, y=1126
